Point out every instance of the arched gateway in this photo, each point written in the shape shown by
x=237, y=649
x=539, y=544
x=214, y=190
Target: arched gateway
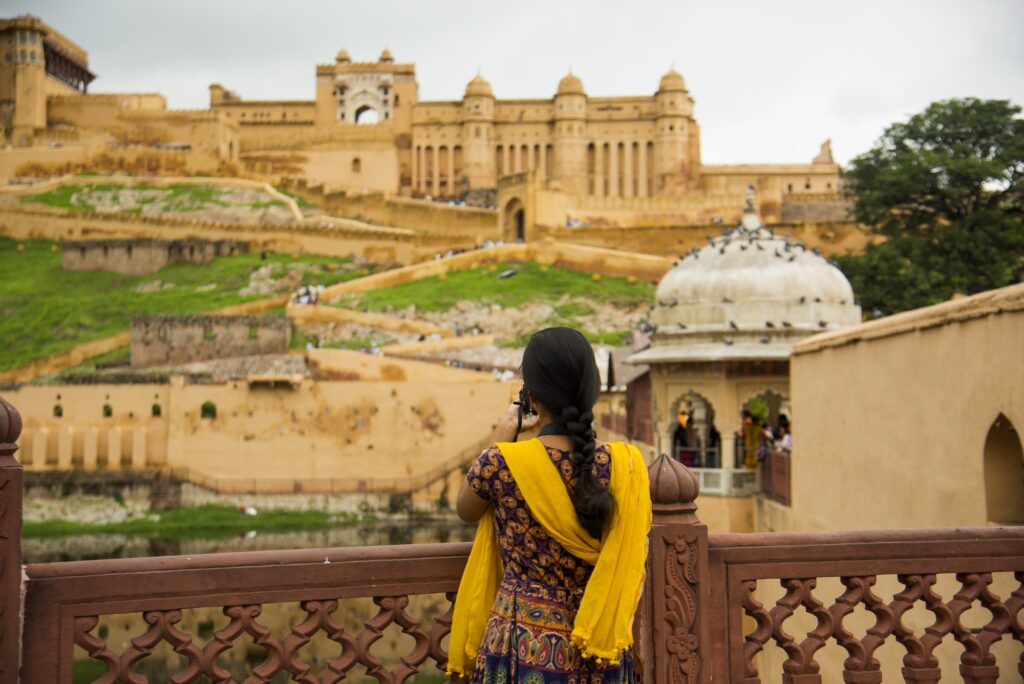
x=513, y=217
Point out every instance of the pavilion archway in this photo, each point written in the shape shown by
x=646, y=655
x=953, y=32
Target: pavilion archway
x=698, y=443
x=1004, y=473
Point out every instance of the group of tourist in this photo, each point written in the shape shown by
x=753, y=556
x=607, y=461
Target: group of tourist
x=688, y=444
x=757, y=437
x=308, y=294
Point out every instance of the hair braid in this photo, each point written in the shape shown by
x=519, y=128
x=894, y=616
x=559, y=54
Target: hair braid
x=592, y=500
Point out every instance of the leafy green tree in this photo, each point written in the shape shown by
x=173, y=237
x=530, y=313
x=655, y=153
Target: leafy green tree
x=946, y=189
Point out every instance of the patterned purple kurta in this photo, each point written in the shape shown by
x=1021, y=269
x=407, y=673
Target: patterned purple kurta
x=527, y=636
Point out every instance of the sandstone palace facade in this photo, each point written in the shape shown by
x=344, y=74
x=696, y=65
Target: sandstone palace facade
x=625, y=160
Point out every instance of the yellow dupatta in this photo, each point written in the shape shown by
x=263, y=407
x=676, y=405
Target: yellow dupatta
x=604, y=622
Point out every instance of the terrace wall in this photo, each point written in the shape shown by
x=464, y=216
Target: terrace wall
x=143, y=257
x=170, y=340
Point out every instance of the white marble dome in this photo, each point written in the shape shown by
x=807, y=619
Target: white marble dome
x=747, y=294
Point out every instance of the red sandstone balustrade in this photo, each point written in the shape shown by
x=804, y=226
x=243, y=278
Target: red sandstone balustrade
x=701, y=590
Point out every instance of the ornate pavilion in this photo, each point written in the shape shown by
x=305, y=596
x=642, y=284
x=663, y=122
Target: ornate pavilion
x=726, y=318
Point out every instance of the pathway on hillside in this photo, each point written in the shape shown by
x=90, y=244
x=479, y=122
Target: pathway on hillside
x=563, y=255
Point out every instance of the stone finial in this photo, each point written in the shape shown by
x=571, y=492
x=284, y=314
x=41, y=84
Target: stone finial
x=10, y=428
x=672, y=482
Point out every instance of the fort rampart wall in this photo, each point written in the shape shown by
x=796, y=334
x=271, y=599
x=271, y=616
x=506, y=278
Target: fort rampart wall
x=378, y=244
x=403, y=212
x=169, y=340
x=143, y=256
x=831, y=237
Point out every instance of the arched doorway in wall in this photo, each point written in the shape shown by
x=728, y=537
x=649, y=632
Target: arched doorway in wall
x=367, y=115
x=1004, y=473
x=514, y=220
x=696, y=441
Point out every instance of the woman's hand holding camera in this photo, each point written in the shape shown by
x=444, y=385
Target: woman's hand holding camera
x=505, y=430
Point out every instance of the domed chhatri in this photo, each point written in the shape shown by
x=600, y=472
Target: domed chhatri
x=571, y=85
x=342, y=57
x=386, y=57
x=672, y=82
x=747, y=294
x=479, y=87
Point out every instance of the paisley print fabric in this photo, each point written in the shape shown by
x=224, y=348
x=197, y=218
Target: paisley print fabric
x=527, y=635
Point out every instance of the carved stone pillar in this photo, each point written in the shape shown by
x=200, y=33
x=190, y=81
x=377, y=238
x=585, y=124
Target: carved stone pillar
x=613, y=170
x=674, y=637
x=416, y=168
x=642, y=170
x=451, y=171
x=436, y=171
x=628, y=162
x=10, y=544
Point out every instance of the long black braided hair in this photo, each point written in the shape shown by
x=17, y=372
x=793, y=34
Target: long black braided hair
x=559, y=371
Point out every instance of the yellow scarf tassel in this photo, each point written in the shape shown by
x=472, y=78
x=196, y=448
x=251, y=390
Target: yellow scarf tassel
x=603, y=628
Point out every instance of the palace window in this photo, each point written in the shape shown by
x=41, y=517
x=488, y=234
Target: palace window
x=208, y=410
x=396, y=99
x=357, y=165
x=156, y=411
x=58, y=411
x=108, y=410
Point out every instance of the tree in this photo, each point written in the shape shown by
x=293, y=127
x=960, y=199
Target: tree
x=946, y=189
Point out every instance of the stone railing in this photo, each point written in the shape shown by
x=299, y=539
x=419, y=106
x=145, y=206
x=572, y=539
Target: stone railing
x=701, y=617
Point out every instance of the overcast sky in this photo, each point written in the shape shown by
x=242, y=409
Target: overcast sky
x=771, y=79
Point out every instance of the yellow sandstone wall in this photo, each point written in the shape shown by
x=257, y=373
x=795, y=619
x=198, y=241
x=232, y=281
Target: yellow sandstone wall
x=891, y=417
x=389, y=420
x=379, y=245
x=831, y=237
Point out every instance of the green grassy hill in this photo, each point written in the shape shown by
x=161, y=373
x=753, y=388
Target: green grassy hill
x=573, y=295
x=532, y=282
x=45, y=309
x=181, y=197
